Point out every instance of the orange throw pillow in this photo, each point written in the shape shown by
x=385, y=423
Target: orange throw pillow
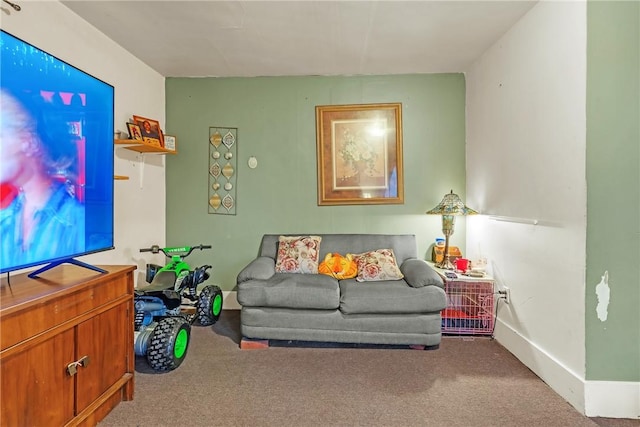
x=338, y=266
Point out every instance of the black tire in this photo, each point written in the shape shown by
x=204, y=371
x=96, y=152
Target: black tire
x=209, y=305
x=169, y=343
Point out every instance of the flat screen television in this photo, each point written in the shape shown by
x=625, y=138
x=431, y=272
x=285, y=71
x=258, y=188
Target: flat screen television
x=56, y=160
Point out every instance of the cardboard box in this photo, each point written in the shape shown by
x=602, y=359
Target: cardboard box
x=438, y=252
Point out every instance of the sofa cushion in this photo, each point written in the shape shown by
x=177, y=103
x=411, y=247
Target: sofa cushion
x=389, y=296
x=335, y=320
x=377, y=265
x=298, y=254
x=289, y=290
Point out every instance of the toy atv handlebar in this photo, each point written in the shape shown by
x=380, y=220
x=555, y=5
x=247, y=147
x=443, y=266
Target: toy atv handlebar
x=182, y=251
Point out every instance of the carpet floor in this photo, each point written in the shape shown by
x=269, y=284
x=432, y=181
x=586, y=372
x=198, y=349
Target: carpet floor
x=467, y=382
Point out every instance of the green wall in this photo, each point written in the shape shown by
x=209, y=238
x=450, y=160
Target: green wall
x=613, y=182
x=275, y=117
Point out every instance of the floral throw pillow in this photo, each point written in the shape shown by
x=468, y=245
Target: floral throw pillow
x=377, y=265
x=298, y=254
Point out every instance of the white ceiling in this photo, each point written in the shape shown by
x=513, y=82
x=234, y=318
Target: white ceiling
x=275, y=38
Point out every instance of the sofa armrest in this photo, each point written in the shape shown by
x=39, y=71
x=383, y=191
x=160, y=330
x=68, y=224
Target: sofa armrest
x=260, y=268
x=417, y=273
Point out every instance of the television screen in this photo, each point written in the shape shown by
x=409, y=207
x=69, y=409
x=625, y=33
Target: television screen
x=56, y=159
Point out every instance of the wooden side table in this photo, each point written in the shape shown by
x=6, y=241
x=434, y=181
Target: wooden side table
x=470, y=304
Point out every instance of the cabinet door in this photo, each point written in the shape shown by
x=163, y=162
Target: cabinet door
x=36, y=388
x=104, y=339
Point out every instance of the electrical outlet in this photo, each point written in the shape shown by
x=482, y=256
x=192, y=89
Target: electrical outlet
x=505, y=294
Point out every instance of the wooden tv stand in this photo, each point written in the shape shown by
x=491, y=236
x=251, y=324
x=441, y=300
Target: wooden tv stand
x=66, y=346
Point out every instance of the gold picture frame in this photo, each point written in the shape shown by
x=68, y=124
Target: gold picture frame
x=359, y=154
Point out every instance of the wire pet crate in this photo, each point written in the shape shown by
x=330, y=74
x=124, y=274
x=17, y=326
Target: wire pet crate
x=470, y=308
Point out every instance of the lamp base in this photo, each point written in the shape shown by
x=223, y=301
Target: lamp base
x=445, y=264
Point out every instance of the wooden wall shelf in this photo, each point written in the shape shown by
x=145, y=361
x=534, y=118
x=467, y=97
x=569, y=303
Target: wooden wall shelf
x=141, y=146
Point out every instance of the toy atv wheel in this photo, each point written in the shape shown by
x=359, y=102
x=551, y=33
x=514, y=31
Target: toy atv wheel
x=168, y=343
x=209, y=305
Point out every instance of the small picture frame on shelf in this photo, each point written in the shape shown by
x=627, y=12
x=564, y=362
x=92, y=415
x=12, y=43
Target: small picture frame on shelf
x=134, y=131
x=170, y=142
x=150, y=130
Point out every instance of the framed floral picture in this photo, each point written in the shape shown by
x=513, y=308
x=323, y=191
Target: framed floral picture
x=359, y=154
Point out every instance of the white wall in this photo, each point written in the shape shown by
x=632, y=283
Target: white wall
x=526, y=141
x=140, y=201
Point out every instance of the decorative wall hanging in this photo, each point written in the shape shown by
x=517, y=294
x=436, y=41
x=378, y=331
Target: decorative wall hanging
x=223, y=154
x=359, y=149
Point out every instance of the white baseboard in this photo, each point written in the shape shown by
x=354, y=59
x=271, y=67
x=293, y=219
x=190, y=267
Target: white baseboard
x=230, y=300
x=564, y=382
x=610, y=399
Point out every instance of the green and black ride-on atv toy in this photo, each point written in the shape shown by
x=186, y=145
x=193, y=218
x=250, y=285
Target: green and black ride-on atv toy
x=170, y=304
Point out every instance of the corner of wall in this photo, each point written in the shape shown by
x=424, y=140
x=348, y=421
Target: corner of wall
x=557, y=376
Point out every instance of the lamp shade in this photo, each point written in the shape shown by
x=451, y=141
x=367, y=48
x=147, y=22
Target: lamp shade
x=451, y=204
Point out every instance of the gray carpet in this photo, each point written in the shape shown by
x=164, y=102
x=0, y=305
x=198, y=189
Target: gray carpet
x=467, y=382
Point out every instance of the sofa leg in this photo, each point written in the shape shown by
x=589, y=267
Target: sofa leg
x=425, y=347
x=249, y=344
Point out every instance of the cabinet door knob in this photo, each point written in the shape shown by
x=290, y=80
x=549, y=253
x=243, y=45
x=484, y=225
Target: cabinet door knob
x=72, y=368
x=84, y=361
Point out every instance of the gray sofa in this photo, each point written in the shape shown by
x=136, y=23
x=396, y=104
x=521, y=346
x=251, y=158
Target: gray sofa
x=320, y=308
